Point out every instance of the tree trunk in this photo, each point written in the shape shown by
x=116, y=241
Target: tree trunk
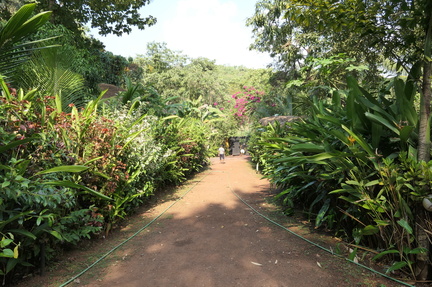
x=424, y=128
x=423, y=262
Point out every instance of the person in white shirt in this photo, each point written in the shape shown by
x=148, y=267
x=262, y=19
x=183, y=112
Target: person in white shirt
x=221, y=153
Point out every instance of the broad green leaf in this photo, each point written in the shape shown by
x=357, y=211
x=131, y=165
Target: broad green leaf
x=418, y=250
x=370, y=230
x=405, y=225
x=397, y=266
x=371, y=183
x=379, y=119
x=64, y=168
x=360, y=141
x=376, y=134
x=381, y=254
x=381, y=222
x=5, y=242
x=405, y=133
x=322, y=212
x=93, y=159
x=56, y=234
x=353, y=254
x=101, y=174
x=340, y=135
x=349, y=199
x=23, y=232
x=78, y=186
x=14, y=144
x=307, y=147
x=7, y=253
x=11, y=263
x=170, y=117
x=353, y=182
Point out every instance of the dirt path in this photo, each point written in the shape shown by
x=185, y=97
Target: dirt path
x=211, y=238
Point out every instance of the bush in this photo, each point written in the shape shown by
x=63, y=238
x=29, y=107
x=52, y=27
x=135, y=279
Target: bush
x=352, y=167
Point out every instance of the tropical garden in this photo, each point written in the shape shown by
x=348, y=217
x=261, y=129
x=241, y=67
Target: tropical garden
x=75, y=160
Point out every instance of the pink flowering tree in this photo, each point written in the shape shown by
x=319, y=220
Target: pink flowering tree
x=246, y=103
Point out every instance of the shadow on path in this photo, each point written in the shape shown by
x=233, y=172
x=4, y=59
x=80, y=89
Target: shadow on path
x=211, y=238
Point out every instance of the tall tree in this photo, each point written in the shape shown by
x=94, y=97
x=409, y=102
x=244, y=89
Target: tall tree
x=110, y=17
x=293, y=31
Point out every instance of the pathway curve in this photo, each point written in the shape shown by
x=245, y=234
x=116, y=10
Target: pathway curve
x=210, y=238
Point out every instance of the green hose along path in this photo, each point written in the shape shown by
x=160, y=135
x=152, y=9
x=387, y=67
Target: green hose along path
x=254, y=210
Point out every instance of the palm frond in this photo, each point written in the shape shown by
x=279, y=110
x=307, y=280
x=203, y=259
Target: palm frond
x=14, y=50
x=50, y=73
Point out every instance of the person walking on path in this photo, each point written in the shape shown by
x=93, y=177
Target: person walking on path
x=221, y=154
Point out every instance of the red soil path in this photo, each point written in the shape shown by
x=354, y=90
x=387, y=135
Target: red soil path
x=211, y=238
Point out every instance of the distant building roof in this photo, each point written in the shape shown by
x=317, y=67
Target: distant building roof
x=112, y=90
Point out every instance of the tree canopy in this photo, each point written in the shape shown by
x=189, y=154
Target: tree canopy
x=369, y=31
x=110, y=17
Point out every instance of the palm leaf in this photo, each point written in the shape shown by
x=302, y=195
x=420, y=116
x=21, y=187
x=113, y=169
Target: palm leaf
x=50, y=73
x=19, y=26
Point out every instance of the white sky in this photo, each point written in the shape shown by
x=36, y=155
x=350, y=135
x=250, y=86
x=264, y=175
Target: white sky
x=214, y=29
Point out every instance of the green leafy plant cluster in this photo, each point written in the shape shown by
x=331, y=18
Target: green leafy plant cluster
x=70, y=175
x=364, y=144
x=39, y=198
x=73, y=165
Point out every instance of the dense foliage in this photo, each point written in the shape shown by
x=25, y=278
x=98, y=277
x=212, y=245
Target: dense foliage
x=352, y=166
x=74, y=165
x=113, y=17
x=88, y=166
x=356, y=160
x=370, y=144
